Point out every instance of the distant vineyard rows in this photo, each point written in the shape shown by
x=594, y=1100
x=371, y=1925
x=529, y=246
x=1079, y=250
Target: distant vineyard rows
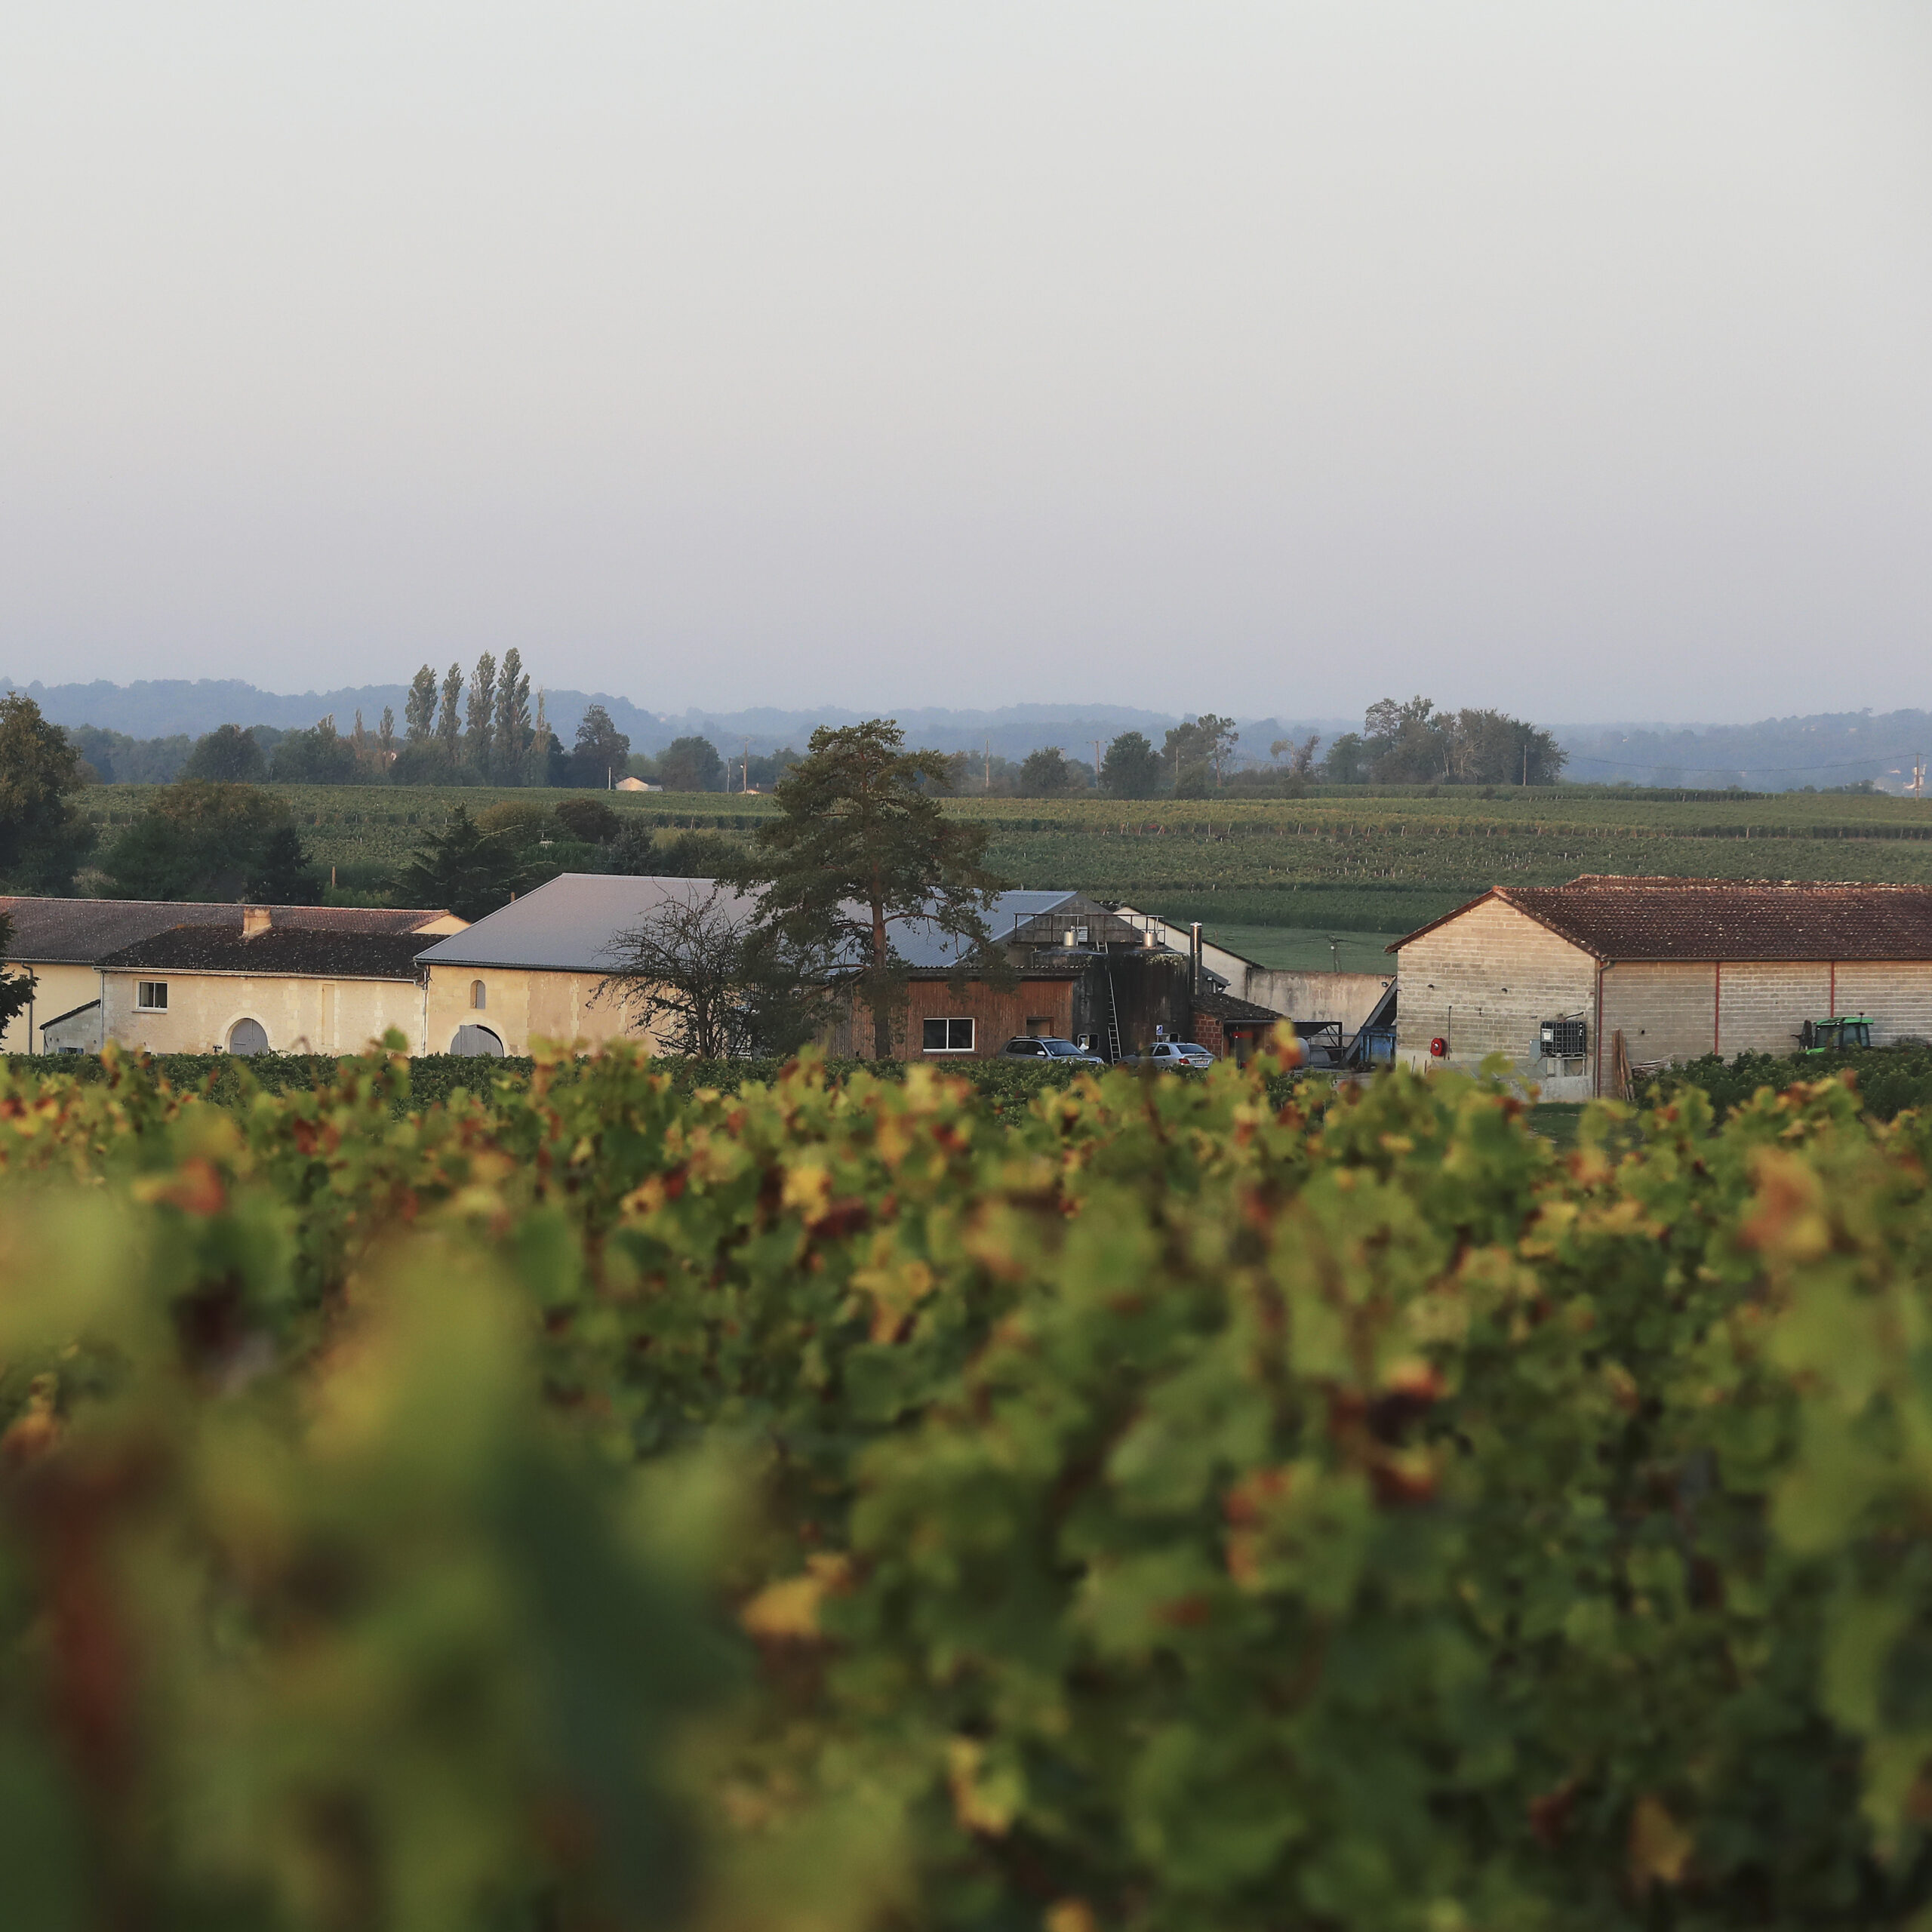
x=1369, y=863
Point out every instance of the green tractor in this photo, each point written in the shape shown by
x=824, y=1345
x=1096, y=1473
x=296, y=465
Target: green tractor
x=1835, y=1036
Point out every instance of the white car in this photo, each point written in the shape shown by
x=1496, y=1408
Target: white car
x=1173, y=1055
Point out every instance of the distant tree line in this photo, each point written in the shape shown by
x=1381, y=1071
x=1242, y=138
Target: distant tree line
x=481, y=730
x=1399, y=744
x=1416, y=744
x=485, y=729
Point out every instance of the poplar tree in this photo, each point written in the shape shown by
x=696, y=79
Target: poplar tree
x=512, y=738
x=419, y=709
x=449, y=727
x=481, y=722
x=537, y=759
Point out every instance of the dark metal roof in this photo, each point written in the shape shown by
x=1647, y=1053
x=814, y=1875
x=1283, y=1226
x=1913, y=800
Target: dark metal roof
x=82, y=932
x=285, y=952
x=1225, y=1006
x=1698, y=919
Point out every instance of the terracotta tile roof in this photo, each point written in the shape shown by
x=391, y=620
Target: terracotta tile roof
x=285, y=952
x=82, y=932
x=1613, y=917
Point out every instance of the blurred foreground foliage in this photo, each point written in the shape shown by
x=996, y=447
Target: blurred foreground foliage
x=825, y=1506
x=1007, y=1086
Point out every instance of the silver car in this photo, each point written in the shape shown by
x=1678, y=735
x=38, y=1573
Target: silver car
x=1173, y=1055
x=1034, y=1047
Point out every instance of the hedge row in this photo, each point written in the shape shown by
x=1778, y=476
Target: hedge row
x=816, y=1506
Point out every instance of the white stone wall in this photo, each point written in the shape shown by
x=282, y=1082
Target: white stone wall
x=299, y=1015
x=1348, y=998
x=1485, y=982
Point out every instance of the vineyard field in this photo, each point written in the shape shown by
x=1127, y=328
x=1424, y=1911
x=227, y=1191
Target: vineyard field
x=610, y=1505
x=1378, y=863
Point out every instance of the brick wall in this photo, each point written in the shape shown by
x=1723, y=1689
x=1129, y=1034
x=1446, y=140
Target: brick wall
x=997, y=1017
x=1485, y=982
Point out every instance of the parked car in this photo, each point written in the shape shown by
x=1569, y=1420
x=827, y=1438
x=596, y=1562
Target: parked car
x=1172, y=1055
x=1033, y=1046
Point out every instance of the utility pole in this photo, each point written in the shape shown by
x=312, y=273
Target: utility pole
x=1526, y=764
x=1097, y=764
x=990, y=767
x=746, y=785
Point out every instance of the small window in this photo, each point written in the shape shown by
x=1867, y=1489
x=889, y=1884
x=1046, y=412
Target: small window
x=151, y=996
x=948, y=1036
x=479, y=994
x=1038, y=1024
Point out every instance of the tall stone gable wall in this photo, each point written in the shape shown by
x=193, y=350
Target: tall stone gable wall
x=1484, y=982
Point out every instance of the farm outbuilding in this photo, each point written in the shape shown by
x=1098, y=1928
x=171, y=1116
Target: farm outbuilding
x=1549, y=977
x=69, y=945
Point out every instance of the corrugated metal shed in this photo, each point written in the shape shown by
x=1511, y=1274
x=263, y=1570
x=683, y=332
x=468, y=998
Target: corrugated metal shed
x=1696, y=919
x=571, y=925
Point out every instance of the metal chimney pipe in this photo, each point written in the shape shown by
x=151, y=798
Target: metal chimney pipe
x=1193, y=958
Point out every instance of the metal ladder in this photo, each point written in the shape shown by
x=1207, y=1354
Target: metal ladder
x=1113, y=1023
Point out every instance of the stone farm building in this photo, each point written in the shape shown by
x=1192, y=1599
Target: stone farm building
x=173, y=977
x=533, y=970
x=180, y=976
x=1678, y=967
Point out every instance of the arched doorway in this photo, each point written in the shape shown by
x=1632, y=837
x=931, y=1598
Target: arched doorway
x=247, y=1036
x=478, y=1042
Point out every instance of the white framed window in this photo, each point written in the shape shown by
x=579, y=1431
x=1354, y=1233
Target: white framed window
x=948, y=1036
x=151, y=996
x=479, y=994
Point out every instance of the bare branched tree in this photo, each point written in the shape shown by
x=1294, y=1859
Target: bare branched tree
x=1301, y=756
x=698, y=976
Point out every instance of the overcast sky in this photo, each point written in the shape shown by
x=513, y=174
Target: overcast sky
x=1573, y=358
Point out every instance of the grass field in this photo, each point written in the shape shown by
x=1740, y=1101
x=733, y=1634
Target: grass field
x=1366, y=863
x=1301, y=950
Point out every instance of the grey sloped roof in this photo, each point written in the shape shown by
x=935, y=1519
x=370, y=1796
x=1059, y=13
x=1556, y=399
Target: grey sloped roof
x=569, y=925
x=83, y=932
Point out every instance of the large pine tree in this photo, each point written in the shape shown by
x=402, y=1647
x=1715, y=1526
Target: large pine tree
x=861, y=846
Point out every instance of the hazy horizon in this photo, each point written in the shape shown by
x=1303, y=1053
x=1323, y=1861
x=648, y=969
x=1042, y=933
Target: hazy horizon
x=1267, y=359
